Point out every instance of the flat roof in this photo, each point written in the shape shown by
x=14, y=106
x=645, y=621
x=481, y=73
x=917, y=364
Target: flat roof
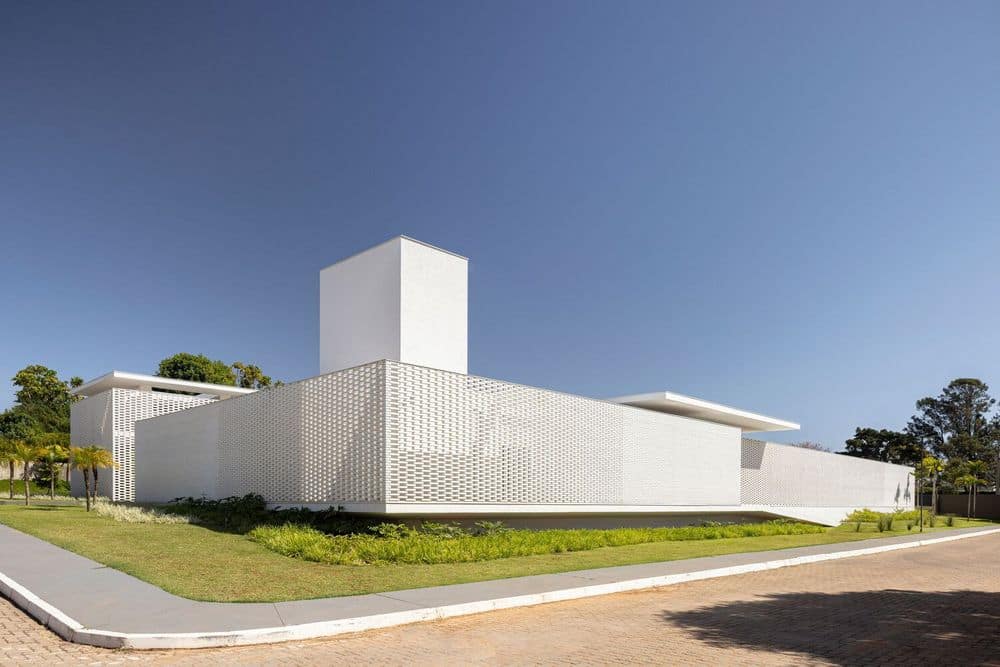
x=688, y=406
x=123, y=380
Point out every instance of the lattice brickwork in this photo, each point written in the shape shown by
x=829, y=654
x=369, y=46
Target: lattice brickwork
x=91, y=423
x=780, y=475
x=320, y=440
x=456, y=438
x=128, y=407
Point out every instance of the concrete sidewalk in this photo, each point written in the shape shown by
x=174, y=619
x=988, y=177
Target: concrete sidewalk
x=87, y=602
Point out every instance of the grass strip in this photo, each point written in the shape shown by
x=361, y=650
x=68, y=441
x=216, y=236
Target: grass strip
x=199, y=563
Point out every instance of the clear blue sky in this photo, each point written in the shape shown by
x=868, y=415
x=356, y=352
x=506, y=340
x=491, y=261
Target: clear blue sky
x=789, y=207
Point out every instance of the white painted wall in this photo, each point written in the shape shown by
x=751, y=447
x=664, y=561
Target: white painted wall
x=177, y=455
x=401, y=300
x=359, y=308
x=434, y=311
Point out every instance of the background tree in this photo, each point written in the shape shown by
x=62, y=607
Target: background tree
x=196, y=368
x=48, y=439
x=40, y=384
x=43, y=399
x=8, y=460
x=884, y=445
x=26, y=453
x=955, y=424
x=250, y=376
x=14, y=427
x=53, y=456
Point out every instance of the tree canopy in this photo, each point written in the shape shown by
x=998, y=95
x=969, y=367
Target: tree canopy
x=199, y=368
x=196, y=368
x=884, y=445
x=250, y=376
x=43, y=400
x=956, y=423
x=958, y=428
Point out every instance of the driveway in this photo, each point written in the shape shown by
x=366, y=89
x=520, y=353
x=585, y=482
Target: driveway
x=937, y=604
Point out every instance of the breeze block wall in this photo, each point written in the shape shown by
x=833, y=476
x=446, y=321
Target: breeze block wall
x=455, y=439
x=785, y=476
x=91, y=423
x=389, y=434
x=108, y=419
x=321, y=440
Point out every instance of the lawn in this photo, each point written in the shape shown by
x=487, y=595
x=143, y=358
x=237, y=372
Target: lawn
x=203, y=564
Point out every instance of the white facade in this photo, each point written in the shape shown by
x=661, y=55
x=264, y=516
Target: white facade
x=395, y=426
x=402, y=300
x=107, y=418
x=404, y=440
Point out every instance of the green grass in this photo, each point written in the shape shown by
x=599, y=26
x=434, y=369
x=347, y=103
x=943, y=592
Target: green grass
x=198, y=563
x=307, y=543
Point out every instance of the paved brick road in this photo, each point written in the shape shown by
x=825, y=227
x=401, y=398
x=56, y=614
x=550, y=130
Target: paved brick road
x=936, y=605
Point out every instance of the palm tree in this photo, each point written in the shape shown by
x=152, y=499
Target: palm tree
x=26, y=453
x=81, y=459
x=7, y=456
x=967, y=481
x=89, y=460
x=53, y=455
x=978, y=470
x=100, y=458
x=933, y=467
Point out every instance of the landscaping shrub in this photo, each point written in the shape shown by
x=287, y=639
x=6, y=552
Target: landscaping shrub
x=240, y=514
x=871, y=516
x=135, y=514
x=950, y=521
x=446, y=546
x=884, y=522
x=393, y=530
x=491, y=528
x=446, y=531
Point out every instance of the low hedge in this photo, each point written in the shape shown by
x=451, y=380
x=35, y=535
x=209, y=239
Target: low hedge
x=307, y=543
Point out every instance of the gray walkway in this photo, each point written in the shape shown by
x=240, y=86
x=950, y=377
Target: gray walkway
x=101, y=598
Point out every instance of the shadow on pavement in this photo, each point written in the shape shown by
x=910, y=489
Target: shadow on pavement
x=947, y=627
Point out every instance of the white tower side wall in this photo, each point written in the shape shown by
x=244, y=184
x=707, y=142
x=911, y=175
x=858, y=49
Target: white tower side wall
x=401, y=300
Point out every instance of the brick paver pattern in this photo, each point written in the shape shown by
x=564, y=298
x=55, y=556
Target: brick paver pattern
x=933, y=605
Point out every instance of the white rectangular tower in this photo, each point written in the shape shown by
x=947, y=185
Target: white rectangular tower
x=402, y=300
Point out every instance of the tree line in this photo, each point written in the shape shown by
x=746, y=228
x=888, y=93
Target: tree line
x=952, y=440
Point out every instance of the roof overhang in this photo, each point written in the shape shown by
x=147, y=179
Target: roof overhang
x=138, y=381
x=687, y=406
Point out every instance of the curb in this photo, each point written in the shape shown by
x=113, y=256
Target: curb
x=71, y=630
